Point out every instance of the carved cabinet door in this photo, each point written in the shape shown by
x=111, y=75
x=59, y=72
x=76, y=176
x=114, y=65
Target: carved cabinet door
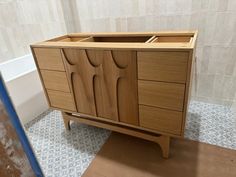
x=104, y=82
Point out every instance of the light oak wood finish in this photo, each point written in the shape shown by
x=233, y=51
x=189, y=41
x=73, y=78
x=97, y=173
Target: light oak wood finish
x=157, y=132
x=54, y=80
x=49, y=59
x=161, y=94
x=163, y=66
x=104, y=83
x=66, y=120
x=177, y=46
x=187, y=96
x=160, y=119
x=178, y=39
x=71, y=39
x=162, y=140
x=133, y=83
x=61, y=100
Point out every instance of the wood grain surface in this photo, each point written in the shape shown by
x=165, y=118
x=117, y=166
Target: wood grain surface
x=104, y=83
x=49, y=59
x=163, y=66
x=161, y=94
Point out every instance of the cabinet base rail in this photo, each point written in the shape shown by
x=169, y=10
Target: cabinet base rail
x=162, y=140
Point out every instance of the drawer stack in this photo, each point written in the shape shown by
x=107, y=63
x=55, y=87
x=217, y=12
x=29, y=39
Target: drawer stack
x=161, y=89
x=53, y=75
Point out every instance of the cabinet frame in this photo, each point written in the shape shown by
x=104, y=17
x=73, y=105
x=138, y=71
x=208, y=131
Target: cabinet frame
x=184, y=41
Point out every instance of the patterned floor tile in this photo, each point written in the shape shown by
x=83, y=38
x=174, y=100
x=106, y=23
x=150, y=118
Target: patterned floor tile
x=60, y=152
x=211, y=123
x=68, y=153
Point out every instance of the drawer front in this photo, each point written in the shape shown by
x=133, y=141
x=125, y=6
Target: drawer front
x=160, y=119
x=61, y=100
x=55, y=80
x=163, y=66
x=50, y=59
x=161, y=94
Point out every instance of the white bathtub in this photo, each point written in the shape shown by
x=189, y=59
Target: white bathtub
x=24, y=87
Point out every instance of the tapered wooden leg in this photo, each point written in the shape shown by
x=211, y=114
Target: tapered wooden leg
x=66, y=120
x=164, y=143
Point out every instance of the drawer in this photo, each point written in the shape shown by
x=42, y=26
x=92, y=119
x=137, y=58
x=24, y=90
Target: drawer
x=163, y=66
x=160, y=119
x=61, y=100
x=55, y=80
x=50, y=59
x=161, y=94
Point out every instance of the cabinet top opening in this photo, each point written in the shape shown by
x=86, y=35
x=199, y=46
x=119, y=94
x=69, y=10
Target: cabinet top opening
x=129, y=40
x=118, y=39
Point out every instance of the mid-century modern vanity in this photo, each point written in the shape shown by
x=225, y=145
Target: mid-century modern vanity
x=134, y=83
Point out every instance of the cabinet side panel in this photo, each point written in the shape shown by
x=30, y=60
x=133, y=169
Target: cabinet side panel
x=187, y=96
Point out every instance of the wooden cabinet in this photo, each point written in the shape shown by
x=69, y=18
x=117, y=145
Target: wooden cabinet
x=137, y=84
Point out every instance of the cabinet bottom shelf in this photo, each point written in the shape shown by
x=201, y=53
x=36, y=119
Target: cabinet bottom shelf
x=162, y=140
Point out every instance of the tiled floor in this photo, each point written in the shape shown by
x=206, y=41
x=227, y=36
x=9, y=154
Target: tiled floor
x=68, y=153
x=64, y=153
x=211, y=123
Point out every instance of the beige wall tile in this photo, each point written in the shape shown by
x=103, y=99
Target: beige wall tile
x=205, y=85
x=230, y=66
x=121, y=24
x=25, y=22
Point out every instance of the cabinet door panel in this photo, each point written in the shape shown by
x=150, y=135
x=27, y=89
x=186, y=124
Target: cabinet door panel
x=104, y=83
x=127, y=86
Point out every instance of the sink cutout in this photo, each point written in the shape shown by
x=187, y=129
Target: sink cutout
x=124, y=39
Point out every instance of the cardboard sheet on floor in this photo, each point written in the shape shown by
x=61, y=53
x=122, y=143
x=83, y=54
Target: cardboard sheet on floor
x=125, y=156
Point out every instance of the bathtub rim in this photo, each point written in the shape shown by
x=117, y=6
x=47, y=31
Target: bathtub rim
x=22, y=73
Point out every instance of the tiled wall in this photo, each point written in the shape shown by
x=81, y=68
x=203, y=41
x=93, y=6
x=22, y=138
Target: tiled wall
x=32, y=20
x=23, y=22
